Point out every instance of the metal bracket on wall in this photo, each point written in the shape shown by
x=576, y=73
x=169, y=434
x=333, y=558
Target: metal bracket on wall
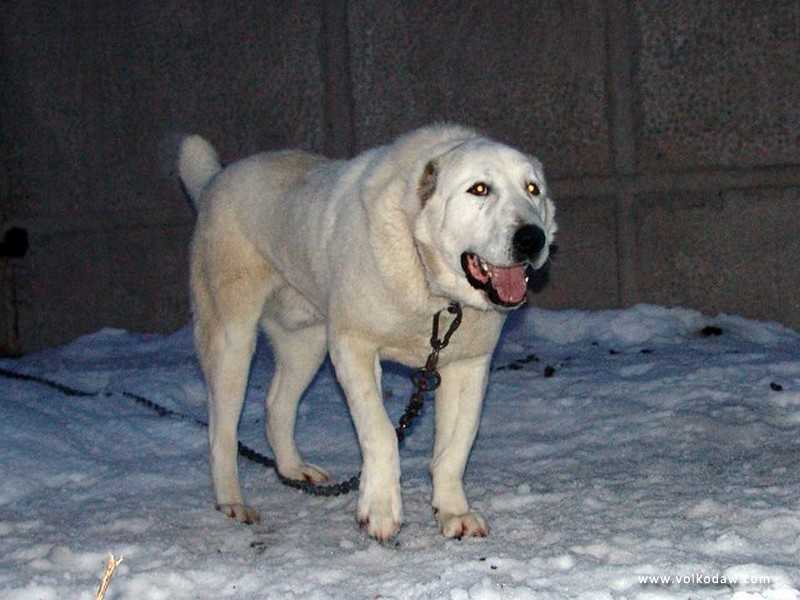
x=13, y=246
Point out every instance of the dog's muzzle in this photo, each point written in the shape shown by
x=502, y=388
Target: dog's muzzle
x=527, y=243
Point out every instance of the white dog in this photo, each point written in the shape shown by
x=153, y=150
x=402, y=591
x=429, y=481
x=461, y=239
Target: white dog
x=354, y=258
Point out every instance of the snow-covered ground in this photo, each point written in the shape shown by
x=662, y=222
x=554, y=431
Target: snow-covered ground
x=650, y=450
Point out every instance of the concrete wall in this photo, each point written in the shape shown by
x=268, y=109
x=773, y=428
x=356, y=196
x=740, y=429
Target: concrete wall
x=670, y=130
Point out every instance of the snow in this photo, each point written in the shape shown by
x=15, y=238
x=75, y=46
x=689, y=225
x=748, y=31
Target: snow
x=649, y=461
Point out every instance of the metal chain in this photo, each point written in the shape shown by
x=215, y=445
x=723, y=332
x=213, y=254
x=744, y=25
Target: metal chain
x=425, y=380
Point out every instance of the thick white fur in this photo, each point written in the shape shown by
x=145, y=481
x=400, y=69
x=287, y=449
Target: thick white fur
x=346, y=257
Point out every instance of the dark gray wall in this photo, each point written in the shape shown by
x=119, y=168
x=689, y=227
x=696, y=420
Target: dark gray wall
x=670, y=131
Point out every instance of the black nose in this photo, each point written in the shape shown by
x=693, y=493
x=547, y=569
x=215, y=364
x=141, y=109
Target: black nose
x=528, y=242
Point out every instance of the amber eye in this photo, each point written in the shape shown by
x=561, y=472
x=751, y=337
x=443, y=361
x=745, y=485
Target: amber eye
x=479, y=189
x=533, y=189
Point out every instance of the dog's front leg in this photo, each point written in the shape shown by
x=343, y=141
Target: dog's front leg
x=458, y=408
x=359, y=372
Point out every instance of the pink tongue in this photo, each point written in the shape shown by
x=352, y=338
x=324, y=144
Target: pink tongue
x=509, y=283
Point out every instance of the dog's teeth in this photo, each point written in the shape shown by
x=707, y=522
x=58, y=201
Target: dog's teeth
x=484, y=268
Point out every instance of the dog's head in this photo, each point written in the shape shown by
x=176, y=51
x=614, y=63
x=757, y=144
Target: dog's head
x=485, y=219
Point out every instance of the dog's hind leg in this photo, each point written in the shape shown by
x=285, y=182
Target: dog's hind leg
x=298, y=355
x=229, y=285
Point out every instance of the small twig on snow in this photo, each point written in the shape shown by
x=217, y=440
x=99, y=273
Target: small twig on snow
x=111, y=566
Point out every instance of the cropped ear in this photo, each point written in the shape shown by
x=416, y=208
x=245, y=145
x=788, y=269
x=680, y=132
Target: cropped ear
x=427, y=182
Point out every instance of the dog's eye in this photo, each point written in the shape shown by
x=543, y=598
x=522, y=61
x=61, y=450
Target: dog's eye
x=479, y=189
x=533, y=189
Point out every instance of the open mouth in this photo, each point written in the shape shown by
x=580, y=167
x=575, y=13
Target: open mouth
x=505, y=286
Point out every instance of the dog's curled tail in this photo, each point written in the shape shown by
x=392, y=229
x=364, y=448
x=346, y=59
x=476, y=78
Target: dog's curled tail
x=198, y=163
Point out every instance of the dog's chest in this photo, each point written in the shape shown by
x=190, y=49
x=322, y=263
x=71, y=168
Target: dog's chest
x=476, y=336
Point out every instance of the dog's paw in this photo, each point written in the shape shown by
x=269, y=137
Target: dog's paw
x=381, y=527
x=381, y=518
x=306, y=472
x=469, y=524
x=240, y=512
